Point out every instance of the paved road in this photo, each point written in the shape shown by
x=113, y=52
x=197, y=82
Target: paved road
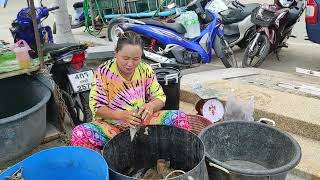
x=301, y=53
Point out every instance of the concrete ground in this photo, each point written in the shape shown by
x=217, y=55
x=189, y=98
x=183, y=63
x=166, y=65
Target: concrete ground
x=293, y=111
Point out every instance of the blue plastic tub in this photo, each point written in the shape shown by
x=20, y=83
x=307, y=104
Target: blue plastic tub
x=66, y=162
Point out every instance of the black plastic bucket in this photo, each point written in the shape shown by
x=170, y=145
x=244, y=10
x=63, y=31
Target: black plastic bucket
x=183, y=149
x=249, y=150
x=169, y=78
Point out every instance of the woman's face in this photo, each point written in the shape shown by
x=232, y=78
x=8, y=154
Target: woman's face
x=128, y=58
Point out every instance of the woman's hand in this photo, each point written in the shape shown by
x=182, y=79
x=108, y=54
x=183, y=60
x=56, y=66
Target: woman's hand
x=132, y=118
x=146, y=111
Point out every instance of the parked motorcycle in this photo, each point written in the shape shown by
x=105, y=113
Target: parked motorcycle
x=79, y=18
x=74, y=80
x=236, y=18
x=22, y=28
x=166, y=42
x=275, y=23
x=67, y=62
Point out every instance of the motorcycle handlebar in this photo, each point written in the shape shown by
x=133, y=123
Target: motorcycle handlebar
x=53, y=8
x=241, y=4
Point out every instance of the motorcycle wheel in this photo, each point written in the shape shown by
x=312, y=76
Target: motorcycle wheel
x=113, y=31
x=259, y=54
x=80, y=113
x=87, y=115
x=224, y=52
x=246, y=40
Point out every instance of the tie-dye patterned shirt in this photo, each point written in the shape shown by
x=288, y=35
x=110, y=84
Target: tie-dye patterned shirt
x=110, y=89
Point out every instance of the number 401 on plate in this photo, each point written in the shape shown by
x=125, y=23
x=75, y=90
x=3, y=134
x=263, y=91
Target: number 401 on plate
x=81, y=81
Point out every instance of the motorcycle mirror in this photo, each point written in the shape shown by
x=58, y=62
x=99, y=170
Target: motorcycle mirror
x=3, y=3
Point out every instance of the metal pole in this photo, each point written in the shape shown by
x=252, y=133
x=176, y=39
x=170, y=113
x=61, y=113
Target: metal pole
x=36, y=32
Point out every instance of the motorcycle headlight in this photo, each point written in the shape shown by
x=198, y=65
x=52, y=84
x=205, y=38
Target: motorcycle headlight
x=286, y=3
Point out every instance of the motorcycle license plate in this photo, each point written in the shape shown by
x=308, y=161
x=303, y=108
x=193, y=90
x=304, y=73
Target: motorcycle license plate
x=216, y=6
x=81, y=81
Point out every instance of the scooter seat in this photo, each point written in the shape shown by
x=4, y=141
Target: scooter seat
x=177, y=27
x=56, y=50
x=235, y=15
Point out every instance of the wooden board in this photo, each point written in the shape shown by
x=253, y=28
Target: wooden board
x=18, y=72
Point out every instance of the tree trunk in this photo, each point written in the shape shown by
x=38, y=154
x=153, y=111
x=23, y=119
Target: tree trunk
x=63, y=24
x=37, y=3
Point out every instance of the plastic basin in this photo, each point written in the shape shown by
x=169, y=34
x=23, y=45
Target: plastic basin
x=249, y=150
x=22, y=115
x=65, y=162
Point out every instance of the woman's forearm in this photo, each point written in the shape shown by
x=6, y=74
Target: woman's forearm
x=157, y=105
x=107, y=113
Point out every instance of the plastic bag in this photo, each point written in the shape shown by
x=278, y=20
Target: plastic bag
x=21, y=49
x=238, y=109
x=20, y=46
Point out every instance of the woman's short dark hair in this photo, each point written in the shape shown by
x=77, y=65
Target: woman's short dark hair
x=130, y=38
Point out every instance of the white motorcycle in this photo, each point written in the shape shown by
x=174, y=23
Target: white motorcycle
x=237, y=25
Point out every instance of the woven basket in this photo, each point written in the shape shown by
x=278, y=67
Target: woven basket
x=198, y=123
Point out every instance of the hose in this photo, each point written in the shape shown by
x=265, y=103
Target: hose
x=86, y=7
x=86, y=14
x=99, y=11
x=159, y=8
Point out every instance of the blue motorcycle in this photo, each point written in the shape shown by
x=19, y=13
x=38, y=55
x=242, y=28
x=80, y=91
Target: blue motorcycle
x=67, y=62
x=21, y=27
x=165, y=42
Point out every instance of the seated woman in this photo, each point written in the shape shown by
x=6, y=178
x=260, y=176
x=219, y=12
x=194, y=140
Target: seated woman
x=125, y=93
